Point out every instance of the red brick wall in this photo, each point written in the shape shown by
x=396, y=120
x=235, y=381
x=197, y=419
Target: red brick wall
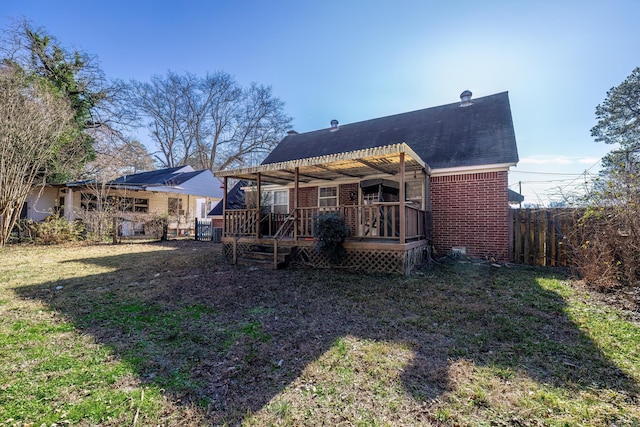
x=307, y=197
x=471, y=210
x=348, y=194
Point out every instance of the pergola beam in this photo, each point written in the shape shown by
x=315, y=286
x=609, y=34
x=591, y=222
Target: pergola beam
x=328, y=169
x=275, y=178
x=375, y=167
x=306, y=175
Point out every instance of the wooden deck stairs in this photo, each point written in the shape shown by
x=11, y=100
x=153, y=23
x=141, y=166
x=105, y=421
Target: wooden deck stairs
x=261, y=256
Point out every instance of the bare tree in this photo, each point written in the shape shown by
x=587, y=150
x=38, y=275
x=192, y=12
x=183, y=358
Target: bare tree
x=35, y=123
x=209, y=122
x=117, y=157
x=161, y=103
x=257, y=127
x=100, y=203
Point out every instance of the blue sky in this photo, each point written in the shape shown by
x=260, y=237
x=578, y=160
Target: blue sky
x=356, y=60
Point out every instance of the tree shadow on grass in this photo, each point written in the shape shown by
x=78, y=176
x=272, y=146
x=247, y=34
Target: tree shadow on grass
x=229, y=339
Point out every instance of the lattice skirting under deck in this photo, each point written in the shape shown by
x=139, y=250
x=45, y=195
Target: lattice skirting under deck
x=227, y=249
x=369, y=260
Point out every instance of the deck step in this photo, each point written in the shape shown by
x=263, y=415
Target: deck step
x=260, y=263
x=262, y=256
x=268, y=249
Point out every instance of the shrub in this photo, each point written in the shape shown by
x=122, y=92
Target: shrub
x=330, y=232
x=156, y=226
x=24, y=230
x=607, y=254
x=55, y=230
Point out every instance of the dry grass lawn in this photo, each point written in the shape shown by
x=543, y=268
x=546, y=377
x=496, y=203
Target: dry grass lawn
x=171, y=334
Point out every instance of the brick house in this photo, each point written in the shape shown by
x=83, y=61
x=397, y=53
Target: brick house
x=433, y=178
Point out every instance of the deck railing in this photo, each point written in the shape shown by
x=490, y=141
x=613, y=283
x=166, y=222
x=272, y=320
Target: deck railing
x=240, y=222
x=370, y=221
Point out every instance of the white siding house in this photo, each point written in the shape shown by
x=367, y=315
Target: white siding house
x=181, y=194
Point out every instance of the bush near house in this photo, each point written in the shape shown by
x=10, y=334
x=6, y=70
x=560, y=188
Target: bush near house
x=608, y=255
x=52, y=231
x=330, y=231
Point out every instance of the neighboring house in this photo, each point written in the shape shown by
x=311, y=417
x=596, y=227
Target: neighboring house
x=235, y=200
x=182, y=194
x=433, y=177
x=515, y=198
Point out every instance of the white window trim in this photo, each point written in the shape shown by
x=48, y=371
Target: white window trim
x=336, y=197
x=272, y=198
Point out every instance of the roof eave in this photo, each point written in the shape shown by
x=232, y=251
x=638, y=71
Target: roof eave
x=472, y=168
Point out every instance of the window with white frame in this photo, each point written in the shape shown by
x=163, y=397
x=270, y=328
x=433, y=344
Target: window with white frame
x=327, y=196
x=278, y=201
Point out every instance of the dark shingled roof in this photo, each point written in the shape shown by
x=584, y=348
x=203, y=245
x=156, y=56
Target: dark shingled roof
x=168, y=176
x=236, y=199
x=444, y=137
x=515, y=197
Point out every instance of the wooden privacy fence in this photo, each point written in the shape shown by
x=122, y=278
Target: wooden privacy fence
x=543, y=236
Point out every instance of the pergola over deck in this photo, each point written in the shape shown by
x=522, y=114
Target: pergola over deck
x=394, y=160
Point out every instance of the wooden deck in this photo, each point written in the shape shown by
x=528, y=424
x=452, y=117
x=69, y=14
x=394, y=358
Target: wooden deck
x=371, y=255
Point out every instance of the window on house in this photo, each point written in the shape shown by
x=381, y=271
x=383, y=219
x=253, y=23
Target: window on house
x=327, y=196
x=141, y=205
x=89, y=202
x=175, y=207
x=125, y=204
x=278, y=201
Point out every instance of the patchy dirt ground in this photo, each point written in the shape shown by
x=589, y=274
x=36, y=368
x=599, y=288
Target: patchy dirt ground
x=625, y=299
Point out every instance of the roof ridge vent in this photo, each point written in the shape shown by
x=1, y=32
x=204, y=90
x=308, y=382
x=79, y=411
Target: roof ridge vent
x=465, y=98
x=334, y=125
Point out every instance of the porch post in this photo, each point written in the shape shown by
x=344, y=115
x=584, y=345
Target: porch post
x=69, y=214
x=258, y=197
x=189, y=212
x=225, y=200
x=402, y=197
x=295, y=203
